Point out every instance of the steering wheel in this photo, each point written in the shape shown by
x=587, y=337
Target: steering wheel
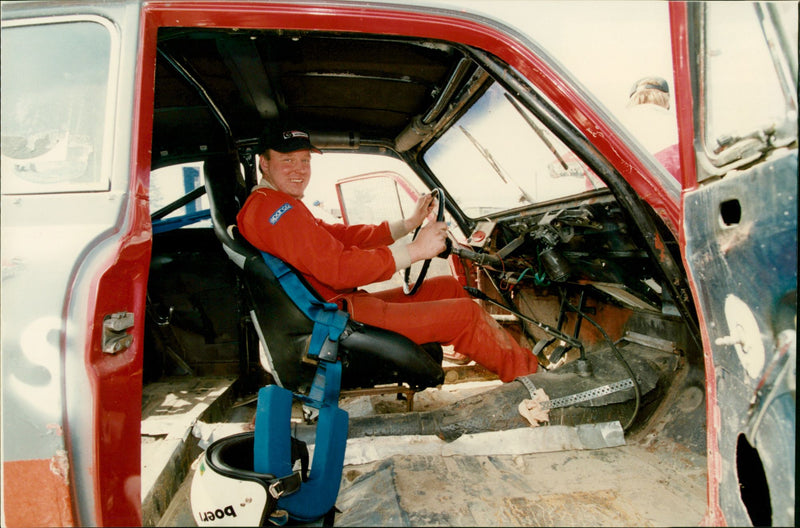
x=410, y=287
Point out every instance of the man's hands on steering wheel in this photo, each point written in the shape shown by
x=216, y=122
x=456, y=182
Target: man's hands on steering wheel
x=426, y=205
x=428, y=241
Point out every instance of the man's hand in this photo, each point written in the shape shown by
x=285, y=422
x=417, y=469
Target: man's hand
x=430, y=242
x=425, y=206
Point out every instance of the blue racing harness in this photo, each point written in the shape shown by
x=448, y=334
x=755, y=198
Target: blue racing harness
x=273, y=439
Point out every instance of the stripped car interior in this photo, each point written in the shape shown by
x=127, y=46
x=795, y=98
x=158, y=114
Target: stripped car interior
x=593, y=279
x=158, y=369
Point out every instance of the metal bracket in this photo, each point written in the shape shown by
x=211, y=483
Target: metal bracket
x=528, y=385
x=276, y=489
x=115, y=336
x=591, y=394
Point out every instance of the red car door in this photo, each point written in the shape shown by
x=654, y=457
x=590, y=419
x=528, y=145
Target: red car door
x=76, y=248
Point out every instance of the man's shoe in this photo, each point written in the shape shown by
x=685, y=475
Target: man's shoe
x=454, y=357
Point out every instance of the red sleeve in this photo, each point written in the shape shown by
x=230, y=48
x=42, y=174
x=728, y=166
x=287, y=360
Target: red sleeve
x=281, y=225
x=362, y=236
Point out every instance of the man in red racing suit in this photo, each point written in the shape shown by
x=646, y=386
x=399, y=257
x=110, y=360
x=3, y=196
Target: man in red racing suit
x=336, y=259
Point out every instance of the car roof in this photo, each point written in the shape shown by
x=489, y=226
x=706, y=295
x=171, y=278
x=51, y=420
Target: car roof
x=343, y=89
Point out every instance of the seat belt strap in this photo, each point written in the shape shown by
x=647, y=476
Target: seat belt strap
x=329, y=321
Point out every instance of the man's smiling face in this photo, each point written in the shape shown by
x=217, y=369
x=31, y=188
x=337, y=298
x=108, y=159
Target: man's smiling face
x=289, y=172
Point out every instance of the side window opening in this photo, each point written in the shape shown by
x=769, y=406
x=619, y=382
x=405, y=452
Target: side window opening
x=365, y=188
x=177, y=198
x=742, y=117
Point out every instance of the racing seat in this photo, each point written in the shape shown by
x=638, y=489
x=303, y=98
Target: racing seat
x=370, y=356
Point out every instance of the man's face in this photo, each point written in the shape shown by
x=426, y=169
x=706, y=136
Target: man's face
x=289, y=172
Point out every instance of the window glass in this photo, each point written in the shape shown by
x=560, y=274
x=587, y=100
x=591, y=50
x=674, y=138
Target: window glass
x=743, y=90
x=498, y=156
x=375, y=199
x=170, y=184
x=607, y=47
x=787, y=14
x=54, y=89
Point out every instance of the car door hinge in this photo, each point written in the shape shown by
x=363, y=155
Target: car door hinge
x=115, y=335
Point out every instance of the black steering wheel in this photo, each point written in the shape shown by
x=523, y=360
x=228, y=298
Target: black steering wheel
x=410, y=286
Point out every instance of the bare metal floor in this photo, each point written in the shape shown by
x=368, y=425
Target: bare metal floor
x=619, y=486
x=647, y=482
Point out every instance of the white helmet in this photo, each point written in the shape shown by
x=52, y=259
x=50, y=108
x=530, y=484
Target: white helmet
x=227, y=492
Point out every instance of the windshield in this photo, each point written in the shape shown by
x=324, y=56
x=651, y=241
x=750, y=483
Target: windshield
x=498, y=156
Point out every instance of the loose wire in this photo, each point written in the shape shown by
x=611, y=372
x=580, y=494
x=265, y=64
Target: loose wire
x=637, y=391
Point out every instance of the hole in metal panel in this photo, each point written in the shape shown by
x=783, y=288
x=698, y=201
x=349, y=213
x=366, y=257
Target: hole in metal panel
x=731, y=212
x=753, y=487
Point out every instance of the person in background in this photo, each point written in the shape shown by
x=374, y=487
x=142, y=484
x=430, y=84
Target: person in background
x=337, y=259
x=652, y=123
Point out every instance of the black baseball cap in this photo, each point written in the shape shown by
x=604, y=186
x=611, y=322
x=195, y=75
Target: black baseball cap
x=287, y=139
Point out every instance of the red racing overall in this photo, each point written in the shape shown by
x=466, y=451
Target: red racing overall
x=336, y=259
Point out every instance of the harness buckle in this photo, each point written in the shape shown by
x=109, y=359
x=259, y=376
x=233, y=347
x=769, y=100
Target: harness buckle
x=276, y=489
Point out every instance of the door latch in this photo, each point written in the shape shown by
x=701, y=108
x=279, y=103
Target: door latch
x=115, y=335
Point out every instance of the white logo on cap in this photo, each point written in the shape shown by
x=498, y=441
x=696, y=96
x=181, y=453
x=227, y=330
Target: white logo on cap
x=289, y=134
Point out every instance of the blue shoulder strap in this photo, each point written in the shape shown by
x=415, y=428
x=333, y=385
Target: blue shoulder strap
x=329, y=321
